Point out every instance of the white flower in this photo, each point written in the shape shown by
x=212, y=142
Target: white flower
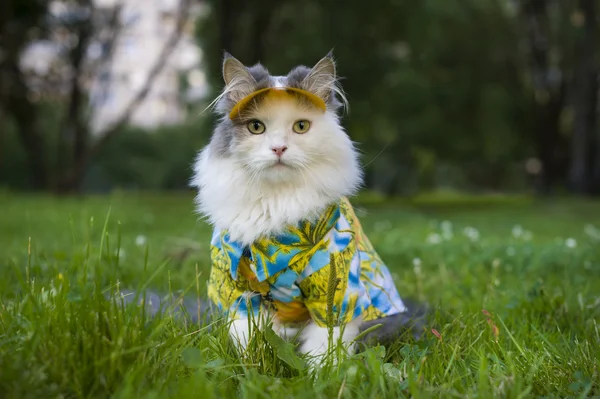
x=46, y=295
x=510, y=251
x=446, y=228
x=417, y=265
x=570, y=242
x=592, y=231
x=140, y=240
x=496, y=263
x=472, y=233
x=517, y=231
x=434, y=238
x=121, y=253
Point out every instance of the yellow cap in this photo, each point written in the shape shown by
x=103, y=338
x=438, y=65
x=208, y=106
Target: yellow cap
x=277, y=91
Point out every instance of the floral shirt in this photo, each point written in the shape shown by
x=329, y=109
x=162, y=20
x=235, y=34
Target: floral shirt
x=289, y=273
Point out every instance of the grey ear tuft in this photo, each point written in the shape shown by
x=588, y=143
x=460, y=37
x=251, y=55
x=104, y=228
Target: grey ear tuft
x=238, y=80
x=321, y=80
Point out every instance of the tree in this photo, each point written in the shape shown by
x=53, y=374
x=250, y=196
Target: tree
x=543, y=30
x=585, y=99
x=17, y=19
x=564, y=70
x=76, y=146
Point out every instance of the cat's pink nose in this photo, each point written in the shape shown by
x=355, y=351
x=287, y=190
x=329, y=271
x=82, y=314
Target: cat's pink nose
x=279, y=150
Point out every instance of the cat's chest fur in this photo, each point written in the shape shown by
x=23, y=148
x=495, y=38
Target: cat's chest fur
x=247, y=208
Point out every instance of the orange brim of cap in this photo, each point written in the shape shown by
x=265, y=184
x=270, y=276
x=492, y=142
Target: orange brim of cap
x=277, y=91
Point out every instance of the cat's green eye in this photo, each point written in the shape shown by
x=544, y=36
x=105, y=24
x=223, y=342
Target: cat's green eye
x=301, y=126
x=256, y=127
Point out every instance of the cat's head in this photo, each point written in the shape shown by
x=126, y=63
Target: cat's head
x=285, y=129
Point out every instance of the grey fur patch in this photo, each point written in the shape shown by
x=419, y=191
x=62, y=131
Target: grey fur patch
x=297, y=75
x=413, y=321
x=261, y=76
x=223, y=136
x=297, y=78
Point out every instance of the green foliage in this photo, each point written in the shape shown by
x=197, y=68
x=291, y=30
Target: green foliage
x=14, y=166
x=13, y=159
x=513, y=285
x=136, y=158
x=151, y=160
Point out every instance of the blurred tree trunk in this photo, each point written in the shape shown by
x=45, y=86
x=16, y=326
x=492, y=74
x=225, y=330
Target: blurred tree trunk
x=232, y=15
x=227, y=11
x=585, y=98
x=550, y=91
x=595, y=180
x=17, y=17
x=25, y=116
x=263, y=12
x=550, y=145
x=75, y=132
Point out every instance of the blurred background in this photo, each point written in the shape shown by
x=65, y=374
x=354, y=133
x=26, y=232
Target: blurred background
x=477, y=96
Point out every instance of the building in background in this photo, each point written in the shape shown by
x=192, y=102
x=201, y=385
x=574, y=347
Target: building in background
x=146, y=26
x=119, y=61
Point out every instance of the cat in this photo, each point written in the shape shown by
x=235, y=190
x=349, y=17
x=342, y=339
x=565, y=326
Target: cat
x=273, y=182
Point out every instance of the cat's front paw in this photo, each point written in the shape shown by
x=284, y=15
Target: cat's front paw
x=239, y=332
x=315, y=342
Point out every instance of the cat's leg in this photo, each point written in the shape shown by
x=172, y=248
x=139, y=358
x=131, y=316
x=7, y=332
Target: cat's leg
x=244, y=317
x=285, y=331
x=239, y=331
x=315, y=339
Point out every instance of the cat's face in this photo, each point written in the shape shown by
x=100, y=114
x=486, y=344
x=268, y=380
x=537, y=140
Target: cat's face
x=278, y=154
x=282, y=136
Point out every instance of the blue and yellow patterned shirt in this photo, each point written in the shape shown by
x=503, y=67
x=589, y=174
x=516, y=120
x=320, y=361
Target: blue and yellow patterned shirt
x=289, y=273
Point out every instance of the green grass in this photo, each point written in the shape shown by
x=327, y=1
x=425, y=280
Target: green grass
x=516, y=309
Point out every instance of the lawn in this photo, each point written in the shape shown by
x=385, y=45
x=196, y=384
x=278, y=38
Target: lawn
x=514, y=286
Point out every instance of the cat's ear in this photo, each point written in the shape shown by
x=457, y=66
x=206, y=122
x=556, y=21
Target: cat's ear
x=238, y=81
x=321, y=79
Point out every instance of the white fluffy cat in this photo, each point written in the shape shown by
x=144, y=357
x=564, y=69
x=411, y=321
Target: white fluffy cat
x=275, y=163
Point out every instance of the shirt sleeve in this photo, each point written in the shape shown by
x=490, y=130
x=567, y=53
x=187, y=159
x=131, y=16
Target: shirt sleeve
x=227, y=294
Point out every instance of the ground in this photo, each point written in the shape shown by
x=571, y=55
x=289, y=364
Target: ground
x=514, y=285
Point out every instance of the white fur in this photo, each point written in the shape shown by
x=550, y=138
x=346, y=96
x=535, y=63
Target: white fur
x=249, y=194
x=239, y=331
x=316, y=339
x=285, y=331
x=279, y=81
